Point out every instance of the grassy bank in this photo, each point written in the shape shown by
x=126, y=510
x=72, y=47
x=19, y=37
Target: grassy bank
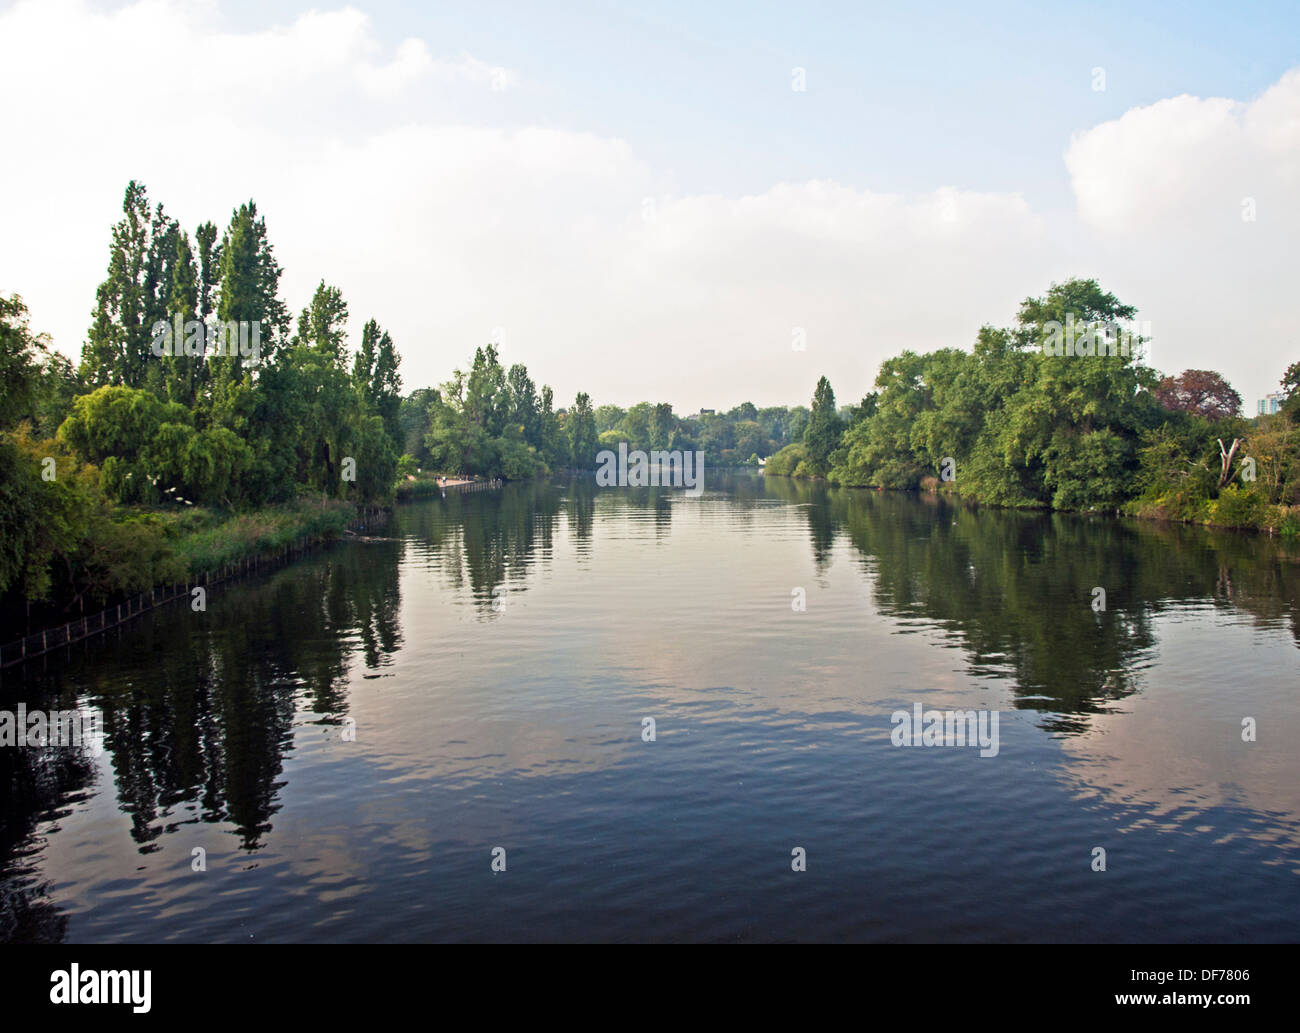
x=419, y=486
x=206, y=540
x=137, y=549
x=426, y=485
x=1234, y=508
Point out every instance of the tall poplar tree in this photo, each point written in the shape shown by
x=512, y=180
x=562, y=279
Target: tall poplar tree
x=117, y=344
x=250, y=285
x=582, y=433
x=823, y=432
x=182, y=369
x=209, y=255
x=374, y=370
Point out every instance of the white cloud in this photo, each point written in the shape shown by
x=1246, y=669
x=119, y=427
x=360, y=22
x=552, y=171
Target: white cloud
x=603, y=275
x=1187, y=163
x=471, y=69
x=1164, y=197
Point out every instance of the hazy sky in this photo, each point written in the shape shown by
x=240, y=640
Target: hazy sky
x=636, y=200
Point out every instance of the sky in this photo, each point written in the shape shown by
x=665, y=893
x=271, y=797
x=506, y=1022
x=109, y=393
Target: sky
x=638, y=201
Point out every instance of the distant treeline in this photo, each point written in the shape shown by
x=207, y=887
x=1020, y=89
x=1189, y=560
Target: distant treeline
x=496, y=423
x=1008, y=423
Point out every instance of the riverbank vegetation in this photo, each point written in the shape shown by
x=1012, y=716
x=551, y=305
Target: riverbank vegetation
x=103, y=465
x=158, y=457
x=494, y=422
x=1010, y=424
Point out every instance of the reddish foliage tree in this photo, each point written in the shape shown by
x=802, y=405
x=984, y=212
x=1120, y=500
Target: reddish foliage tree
x=1199, y=391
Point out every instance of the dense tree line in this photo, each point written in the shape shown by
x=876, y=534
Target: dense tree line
x=1010, y=423
x=177, y=402
x=490, y=421
x=493, y=422
x=744, y=434
x=194, y=388
x=232, y=426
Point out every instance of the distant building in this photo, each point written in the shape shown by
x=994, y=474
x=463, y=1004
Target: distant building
x=1271, y=403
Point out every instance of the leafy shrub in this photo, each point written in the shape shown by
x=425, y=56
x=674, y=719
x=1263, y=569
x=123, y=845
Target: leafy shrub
x=1237, y=507
x=785, y=462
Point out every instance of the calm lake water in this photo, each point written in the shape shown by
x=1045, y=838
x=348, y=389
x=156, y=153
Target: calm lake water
x=496, y=655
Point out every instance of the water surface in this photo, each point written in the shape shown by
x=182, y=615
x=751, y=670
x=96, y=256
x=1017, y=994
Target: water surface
x=349, y=738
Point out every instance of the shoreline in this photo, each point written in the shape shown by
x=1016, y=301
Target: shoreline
x=236, y=545
x=1119, y=513
x=228, y=548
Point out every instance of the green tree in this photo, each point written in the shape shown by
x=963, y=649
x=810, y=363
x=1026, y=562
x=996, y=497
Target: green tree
x=822, y=435
x=413, y=420
x=41, y=519
x=796, y=424
x=524, y=411
x=322, y=325
x=117, y=345
x=608, y=417
x=489, y=422
x=327, y=401
x=1291, y=389
x=582, y=434
x=21, y=355
x=182, y=380
x=751, y=439
x=878, y=451
x=56, y=389
x=662, y=426
x=209, y=257
x=636, y=425
x=554, y=447
x=250, y=284
x=1073, y=428
x=374, y=370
